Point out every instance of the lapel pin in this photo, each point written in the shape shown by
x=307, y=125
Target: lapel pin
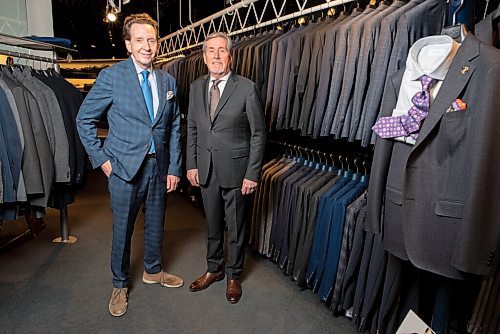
x=464, y=69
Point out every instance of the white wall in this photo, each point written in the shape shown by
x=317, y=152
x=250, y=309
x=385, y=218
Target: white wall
x=13, y=17
x=39, y=17
x=26, y=17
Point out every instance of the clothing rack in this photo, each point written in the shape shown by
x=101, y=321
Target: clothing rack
x=237, y=19
x=35, y=225
x=329, y=157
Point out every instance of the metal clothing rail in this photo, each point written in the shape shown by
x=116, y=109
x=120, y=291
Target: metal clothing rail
x=31, y=44
x=239, y=18
x=26, y=56
x=33, y=222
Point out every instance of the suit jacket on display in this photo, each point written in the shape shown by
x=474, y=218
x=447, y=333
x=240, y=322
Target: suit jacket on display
x=30, y=162
x=118, y=93
x=234, y=142
x=437, y=193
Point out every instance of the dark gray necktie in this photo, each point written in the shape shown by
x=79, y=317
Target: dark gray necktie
x=214, y=98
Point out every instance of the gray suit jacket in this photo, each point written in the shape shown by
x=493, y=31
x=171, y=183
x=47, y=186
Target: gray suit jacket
x=354, y=41
x=21, y=187
x=379, y=72
x=233, y=144
x=338, y=71
x=41, y=159
x=366, y=55
x=433, y=199
x=53, y=122
x=325, y=76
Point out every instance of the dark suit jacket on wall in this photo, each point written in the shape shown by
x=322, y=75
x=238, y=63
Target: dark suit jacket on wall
x=117, y=91
x=438, y=210
x=234, y=142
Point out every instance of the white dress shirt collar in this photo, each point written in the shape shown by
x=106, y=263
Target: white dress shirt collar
x=222, y=83
x=431, y=56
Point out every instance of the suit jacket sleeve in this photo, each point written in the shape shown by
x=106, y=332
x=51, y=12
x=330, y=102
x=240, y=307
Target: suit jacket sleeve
x=91, y=111
x=174, y=167
x=380, y=166
x=257, y=123
x=192, y=133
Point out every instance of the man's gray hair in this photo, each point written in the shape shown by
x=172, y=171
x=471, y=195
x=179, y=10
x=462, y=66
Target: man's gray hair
x=215, y=35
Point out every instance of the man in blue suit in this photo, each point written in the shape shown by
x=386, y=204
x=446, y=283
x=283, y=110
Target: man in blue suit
x=141, y=154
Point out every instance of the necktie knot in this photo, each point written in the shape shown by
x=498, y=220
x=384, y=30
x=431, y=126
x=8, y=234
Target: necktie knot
x=427, y=82
x=215, y=83
x=145, y=75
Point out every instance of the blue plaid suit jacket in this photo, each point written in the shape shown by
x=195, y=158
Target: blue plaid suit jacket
x=117, y=94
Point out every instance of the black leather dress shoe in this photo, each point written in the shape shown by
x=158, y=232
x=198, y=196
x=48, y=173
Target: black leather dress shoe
x=233, y=293
x=205, y=280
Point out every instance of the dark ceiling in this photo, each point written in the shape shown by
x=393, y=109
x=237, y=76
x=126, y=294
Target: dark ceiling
x=82, y=22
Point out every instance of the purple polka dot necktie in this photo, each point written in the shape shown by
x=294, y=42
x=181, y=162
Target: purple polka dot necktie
x=409, y=124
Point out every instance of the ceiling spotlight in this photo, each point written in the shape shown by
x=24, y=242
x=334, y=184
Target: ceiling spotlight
x=111, y=17
x=112, y=10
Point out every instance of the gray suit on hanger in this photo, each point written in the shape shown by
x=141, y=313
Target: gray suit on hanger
x=52, y=120
x=435, y=196
x=366, y=55
x=354, y=41
x=380, y=73
x=338, y=70
x=44, y=159
x=325, y=76
x=21, y=187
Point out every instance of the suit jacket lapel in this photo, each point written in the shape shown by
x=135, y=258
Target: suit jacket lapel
x=460, y=71
x=206, y=98
x=228, y=90
x=162, y=91
x=131, y=76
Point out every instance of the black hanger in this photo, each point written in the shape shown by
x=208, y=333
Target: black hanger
x=358, y=6
x=456, y=31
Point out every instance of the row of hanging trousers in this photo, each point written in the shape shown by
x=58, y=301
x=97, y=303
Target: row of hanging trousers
x=42, y=160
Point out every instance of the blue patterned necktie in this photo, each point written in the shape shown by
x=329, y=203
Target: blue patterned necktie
x=148, y=97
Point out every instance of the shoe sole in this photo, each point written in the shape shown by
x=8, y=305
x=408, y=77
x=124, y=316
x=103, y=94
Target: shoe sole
x=117, y=314
x=217, y=280
x=162, y=284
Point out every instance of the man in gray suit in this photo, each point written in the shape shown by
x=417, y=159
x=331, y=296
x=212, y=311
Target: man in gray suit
x=141, y=154
x=225, y=149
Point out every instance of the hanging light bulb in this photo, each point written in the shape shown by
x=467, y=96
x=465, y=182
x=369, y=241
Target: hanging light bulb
x=111, y=11
x=111, y=16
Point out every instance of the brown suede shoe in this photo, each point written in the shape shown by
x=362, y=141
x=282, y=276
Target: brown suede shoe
x=163, y=278
x=233, y=293
x=118, y=302
x=205, y=280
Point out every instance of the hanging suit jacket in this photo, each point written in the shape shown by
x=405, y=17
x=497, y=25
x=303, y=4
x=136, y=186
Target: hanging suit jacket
x=437, y=193
x=234, y=142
